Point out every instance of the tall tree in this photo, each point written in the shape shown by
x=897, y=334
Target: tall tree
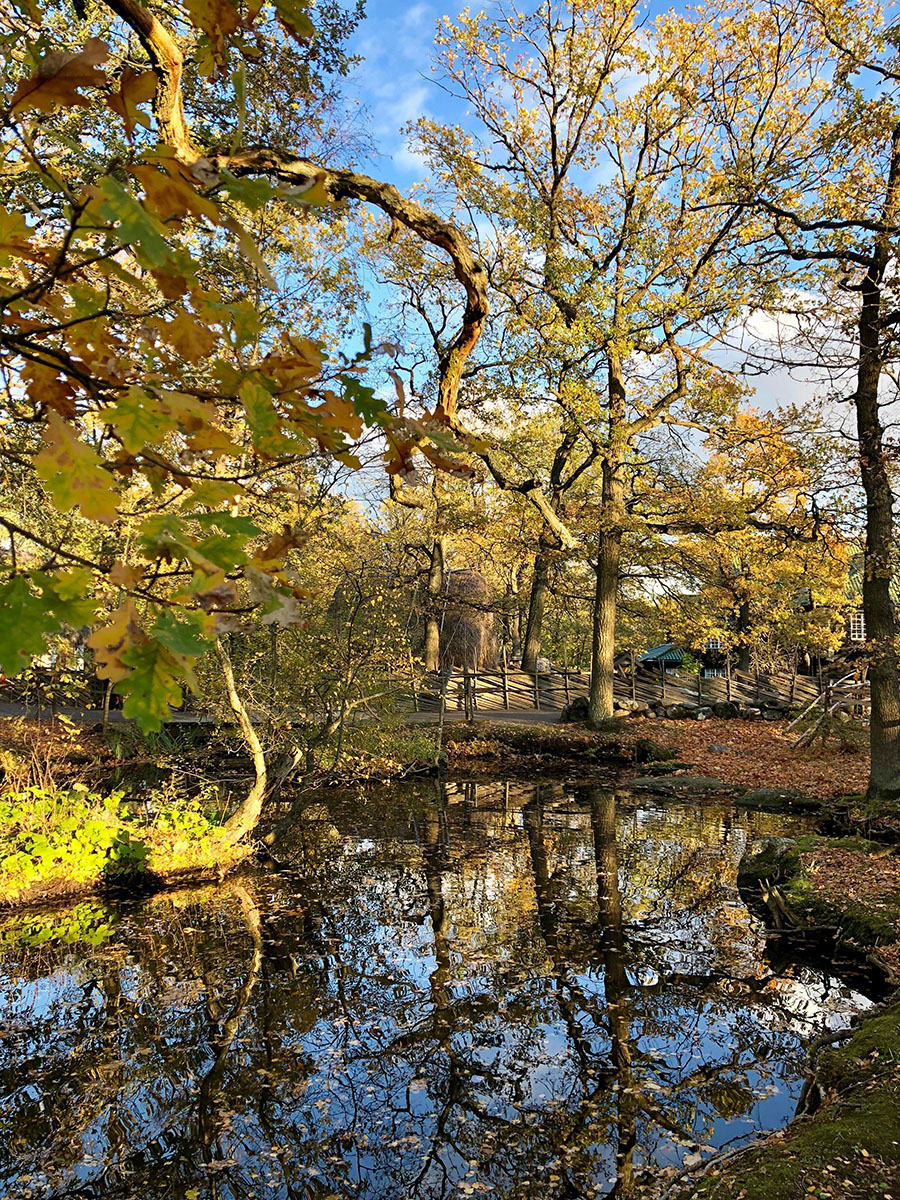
x=591, y=151
x=827, y=179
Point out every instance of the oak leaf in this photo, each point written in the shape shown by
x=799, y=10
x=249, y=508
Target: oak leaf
x=73, y=474
x=135, y=87
x=58, y=78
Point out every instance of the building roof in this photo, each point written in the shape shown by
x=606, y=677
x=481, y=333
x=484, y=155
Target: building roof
x=668, y=652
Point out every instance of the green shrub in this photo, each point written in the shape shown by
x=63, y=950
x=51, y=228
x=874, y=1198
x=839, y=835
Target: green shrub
x=78, y=837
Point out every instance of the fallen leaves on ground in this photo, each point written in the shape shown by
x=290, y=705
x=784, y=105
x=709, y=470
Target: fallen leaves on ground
x=759, y=754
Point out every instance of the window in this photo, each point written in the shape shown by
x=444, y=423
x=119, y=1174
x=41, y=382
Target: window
x=857, y=627
x=714, y=643
x=713, y=673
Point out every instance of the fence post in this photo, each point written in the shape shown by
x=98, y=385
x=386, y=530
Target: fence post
x=537, y=690
x=757, y=687
x=566, y=683
x=728, y=676
x=412, y=675
x=505, y=679
x=699, y=687
x=633, y=676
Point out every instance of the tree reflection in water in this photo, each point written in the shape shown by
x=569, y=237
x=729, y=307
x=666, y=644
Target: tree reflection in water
x=507, y=990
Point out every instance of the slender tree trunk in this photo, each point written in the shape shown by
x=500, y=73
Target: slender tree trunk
x=515, y=614
x=878, y=607
x=432, y=650
x=531, y=648
x=244, y=820
x=743, y=632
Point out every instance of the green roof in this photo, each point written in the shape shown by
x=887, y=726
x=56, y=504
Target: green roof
x=668, y=652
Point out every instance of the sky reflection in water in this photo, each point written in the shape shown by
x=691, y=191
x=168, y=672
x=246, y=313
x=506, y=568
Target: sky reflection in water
x=507, y=990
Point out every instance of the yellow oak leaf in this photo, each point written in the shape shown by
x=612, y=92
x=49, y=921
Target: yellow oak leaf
x=14, y=236
x=171, y=192
x=337, y=413
x=73, y=473
x=213, y=439
x=46, y=390
x=135, y=87
x=111, y=641
x=214, y=17
x=191, y=338
x=124, y=576
x=58, y=78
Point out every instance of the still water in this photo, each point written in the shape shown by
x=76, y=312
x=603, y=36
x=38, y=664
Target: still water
x=500, y=989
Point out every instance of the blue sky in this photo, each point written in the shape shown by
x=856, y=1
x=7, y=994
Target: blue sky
x=395, y=82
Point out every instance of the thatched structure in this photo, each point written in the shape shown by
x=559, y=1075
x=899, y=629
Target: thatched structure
x=467, y=630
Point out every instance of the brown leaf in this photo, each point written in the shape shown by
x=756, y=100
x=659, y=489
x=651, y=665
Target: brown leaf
x=58, y=78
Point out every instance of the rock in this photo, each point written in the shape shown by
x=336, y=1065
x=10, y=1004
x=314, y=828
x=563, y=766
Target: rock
x=771, y=713
x=777, y=799
x=666, y=768
x=750, y=713
x=646, y=750
x=701, y=714
x=679, y=712
x=576, y=710
x=726, y=709
x=674, y=785
x=774, y=858
x=718, y=749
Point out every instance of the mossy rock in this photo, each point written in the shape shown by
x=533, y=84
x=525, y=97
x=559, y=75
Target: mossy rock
x=679, y=785
x=778, y=800
x=850, y=1150
x=865, y=924
x=773, y=858
x=665, y=768
x=647, y=751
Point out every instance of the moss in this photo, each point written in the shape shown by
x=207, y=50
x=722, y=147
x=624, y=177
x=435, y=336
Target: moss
x=810, y=842
x=861, y=922
x=850, y=1150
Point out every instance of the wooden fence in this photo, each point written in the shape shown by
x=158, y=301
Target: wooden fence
x=511, y=689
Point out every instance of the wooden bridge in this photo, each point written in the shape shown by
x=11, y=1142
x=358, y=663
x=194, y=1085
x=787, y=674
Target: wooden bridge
x=510, y=689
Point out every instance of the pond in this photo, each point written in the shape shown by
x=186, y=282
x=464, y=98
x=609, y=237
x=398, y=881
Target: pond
x=498, y=989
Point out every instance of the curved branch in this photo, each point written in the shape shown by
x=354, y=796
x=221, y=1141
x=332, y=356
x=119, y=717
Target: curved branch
x=167, y=62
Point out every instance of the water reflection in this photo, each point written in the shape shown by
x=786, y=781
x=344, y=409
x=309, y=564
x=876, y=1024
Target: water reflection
x=506, y=990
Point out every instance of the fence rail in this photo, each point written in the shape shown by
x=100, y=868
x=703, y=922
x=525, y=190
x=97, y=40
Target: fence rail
x=509, y=689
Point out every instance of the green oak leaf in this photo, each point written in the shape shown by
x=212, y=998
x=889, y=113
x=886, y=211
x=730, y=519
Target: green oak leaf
x=139, y=419
x=24, y=624
x=186, y=633
x=153, y=685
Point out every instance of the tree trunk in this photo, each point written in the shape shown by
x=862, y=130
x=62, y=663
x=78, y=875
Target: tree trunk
x=615, y=981
x=609, y=550
x=743, y=632
x=878, y=607
x=245, y=819
x=531, y=647
x=432, y=649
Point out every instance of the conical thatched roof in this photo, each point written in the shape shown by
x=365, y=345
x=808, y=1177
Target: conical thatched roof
x=467, y=633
